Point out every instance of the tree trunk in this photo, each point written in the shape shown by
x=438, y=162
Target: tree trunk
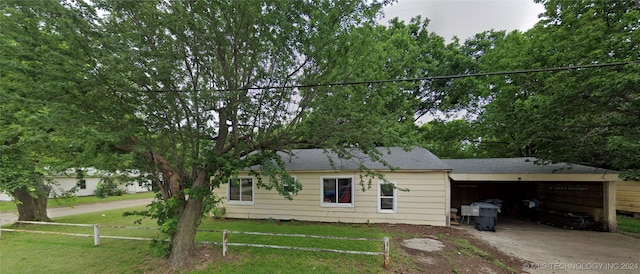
x=183, y=241
x=183, y=246
x=32, y=206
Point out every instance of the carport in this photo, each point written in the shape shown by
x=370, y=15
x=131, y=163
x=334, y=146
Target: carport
x=525, y=188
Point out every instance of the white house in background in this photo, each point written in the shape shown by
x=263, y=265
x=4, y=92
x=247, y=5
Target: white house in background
x=335, y=195
x=88, y=184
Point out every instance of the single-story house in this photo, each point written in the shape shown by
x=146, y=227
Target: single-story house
x=64, y=182
x=335, y=195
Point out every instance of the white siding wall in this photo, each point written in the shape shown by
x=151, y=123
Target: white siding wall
x=5, y=197
x=425, y=203
x=92, y=184
x=65, y=183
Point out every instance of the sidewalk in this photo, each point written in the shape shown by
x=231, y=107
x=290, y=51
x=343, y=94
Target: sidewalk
x=11, y=217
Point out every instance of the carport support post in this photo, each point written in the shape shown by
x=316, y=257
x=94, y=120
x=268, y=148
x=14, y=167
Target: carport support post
x=609, y=204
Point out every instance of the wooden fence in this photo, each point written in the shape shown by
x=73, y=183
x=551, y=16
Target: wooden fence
x=225, y=238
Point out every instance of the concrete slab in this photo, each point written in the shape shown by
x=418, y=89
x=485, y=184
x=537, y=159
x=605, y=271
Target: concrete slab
x=553, y=250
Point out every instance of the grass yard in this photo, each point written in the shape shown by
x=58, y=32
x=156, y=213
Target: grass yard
x=35, y=253
x=11, y=206
x=629, y=226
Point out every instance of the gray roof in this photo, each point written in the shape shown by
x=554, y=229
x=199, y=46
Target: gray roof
x=318, y=159
x=524, y=165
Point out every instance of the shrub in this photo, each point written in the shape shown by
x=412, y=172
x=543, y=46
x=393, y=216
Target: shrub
x=107, y=187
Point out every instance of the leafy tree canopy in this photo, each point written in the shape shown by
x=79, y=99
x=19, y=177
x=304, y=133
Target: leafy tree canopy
x=583, y=116
x=193, y=90
x=38, y=61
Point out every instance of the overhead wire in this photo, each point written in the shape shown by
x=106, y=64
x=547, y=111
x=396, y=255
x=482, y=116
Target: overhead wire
x=426, y=78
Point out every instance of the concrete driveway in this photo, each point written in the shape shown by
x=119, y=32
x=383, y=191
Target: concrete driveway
x=553, y=250
x=11, y=217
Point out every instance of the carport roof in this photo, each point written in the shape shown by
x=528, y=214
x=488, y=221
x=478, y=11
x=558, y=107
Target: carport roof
x=524, y=165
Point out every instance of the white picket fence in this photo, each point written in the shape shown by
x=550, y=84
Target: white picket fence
x=225, y=238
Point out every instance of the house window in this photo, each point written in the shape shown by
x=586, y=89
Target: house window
x=386, y=197
x=82, y=184
x=337, y=191
x=240, y=191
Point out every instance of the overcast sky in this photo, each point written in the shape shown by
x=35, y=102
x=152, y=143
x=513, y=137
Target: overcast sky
x=464, y=18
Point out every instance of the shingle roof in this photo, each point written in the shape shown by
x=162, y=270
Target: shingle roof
x=317, y=159
x=524, y=165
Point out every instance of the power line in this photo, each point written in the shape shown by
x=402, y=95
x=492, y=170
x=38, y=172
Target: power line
x=427, y=78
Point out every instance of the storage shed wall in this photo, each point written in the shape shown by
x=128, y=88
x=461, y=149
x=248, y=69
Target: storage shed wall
x=628, y=196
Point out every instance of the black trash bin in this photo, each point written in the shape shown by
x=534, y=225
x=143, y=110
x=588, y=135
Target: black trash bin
x=488, y=216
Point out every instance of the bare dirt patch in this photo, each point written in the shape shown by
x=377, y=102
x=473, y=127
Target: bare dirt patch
x=205, y=256
x=462, y=252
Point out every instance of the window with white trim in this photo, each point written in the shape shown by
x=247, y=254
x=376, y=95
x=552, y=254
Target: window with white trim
x=337, y=191
x=240, y=191
x=386, y=197
x=82, y=184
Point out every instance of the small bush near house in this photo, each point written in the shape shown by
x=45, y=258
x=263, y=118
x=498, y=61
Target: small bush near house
x=108, y=187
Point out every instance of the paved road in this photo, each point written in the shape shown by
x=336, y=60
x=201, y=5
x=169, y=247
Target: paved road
x=11, y=217
x=562, y=251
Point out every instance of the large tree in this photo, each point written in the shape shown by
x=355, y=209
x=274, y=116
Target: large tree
x=37, y=135
x=195, y=90
x=585, y=116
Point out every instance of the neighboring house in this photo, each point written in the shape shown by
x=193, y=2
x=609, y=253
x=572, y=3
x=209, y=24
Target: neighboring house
x=87, y=185
x=335, y=195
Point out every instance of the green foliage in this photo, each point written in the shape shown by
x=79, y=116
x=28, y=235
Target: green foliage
x=219, y=212
x=189, y=102
x=41, y=70
x=160, y=246
x=585, y=116
x=453, y=139
x=108, y=187
x=163, y=212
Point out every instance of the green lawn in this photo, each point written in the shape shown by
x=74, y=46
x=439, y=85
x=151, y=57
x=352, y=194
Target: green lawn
x=11, y=206
x=34, y=253
x=629, y=225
